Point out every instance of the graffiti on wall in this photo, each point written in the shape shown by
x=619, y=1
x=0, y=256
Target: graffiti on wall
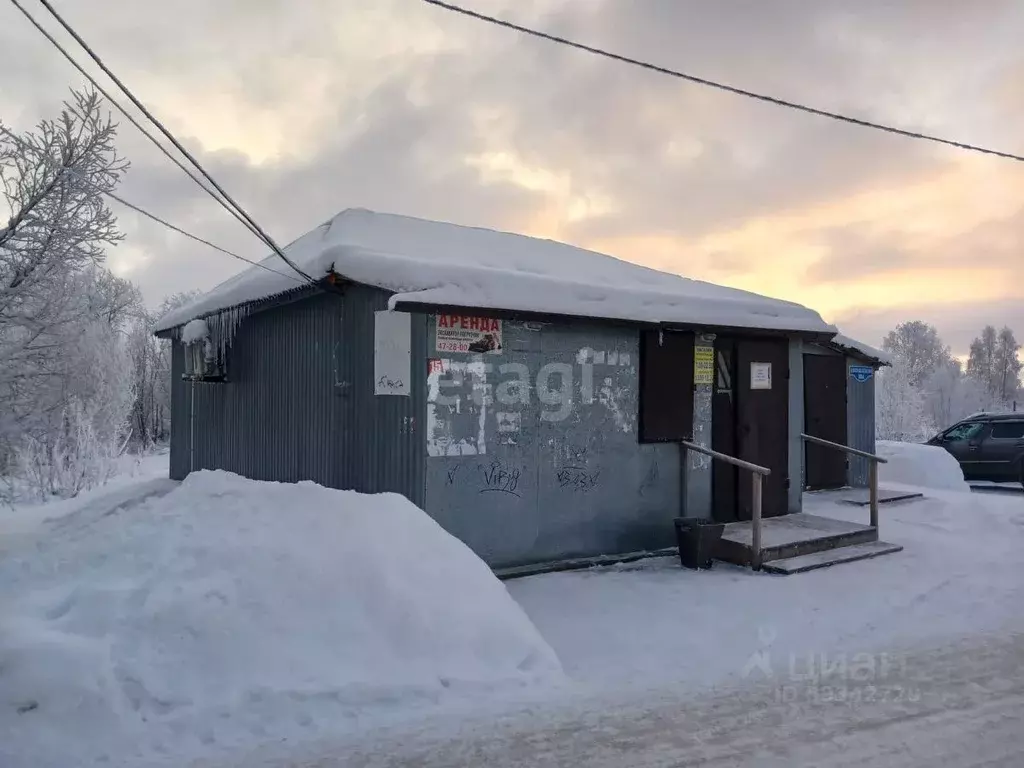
x=499, y=477
x=495, y=476
x=580, y=479
x=471, y=402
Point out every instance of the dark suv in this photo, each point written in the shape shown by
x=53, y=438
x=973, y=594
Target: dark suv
x=989, y=446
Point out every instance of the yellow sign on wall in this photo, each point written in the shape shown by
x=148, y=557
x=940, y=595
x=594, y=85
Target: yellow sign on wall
x=703, y=365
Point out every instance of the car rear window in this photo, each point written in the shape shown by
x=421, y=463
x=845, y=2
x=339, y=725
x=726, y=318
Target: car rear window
x=1008, y=430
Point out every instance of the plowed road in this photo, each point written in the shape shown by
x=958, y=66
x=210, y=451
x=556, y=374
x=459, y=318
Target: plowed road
x=956, y=706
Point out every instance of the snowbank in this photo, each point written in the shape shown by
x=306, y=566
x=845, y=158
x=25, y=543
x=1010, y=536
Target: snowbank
x=439, y=264
x=230, y=612
x=924, y=466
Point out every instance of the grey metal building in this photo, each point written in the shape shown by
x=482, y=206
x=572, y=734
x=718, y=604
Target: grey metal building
x=532, y=434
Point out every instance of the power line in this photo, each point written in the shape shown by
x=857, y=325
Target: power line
x=138, y=209
x=170, y=136
x=713, y=84
x=131, y=118
x=187, y=234
x=229, y=203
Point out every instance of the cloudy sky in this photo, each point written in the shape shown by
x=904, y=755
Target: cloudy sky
x=302, y=109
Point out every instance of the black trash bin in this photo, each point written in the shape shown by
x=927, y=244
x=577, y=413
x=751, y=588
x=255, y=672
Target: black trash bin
x=697, y=538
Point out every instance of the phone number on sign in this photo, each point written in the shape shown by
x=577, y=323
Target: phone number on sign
x=452, y=346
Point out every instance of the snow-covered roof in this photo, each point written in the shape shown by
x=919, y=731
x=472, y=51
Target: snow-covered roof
x=433, y=263
x=862, y=349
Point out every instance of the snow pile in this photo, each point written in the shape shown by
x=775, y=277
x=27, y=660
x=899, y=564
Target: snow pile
x=194, y=331
x=438, y=264
x=231, y=612
x=923, y=466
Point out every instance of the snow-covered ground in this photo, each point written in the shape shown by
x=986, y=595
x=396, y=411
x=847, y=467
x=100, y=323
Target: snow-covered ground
x=247, y=624
x=227, y=611
x=652, y=624
x=137, y=478
x=955, y=705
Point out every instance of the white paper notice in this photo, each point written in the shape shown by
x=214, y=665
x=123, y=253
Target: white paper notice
x=392, y=350
x=760, y=375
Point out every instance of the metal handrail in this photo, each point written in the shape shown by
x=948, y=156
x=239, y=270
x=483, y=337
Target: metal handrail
x=757, y=474
x=873, y=459
x=844, y=448
x=726, y=458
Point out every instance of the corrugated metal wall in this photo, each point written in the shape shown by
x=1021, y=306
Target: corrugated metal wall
x=860, y=423
x=522, y=478
x=300, y=403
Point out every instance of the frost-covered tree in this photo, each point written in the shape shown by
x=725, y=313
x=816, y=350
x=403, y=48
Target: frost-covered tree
x=63, y=391
x=951, y=395
x=994, y=362
x=151, y=374
x=900, y=404
x=982, y=359
x=919, y=345
x=76, y=437
x=1007, y=367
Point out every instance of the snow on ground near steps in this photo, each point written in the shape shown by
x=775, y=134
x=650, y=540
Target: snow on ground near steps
x=655, y=625
x=923, y=466
x=960, y=572
x=229, y=612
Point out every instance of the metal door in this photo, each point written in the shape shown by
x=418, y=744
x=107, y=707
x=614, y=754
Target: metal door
x=750, y=420
x=762, y=421
x=666, y=386
x=825, y=417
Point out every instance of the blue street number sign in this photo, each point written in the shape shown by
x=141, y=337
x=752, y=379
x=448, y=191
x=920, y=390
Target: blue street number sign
x=861, y=373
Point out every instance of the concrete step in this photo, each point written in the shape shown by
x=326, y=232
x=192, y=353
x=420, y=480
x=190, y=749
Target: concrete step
x=788, y=536
x=825, y=558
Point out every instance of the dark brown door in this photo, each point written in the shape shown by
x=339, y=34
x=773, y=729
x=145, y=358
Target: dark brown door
x=762, y=421
x=825, y=417
x=724, y=477
x=750, y=420
x=666, y=386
